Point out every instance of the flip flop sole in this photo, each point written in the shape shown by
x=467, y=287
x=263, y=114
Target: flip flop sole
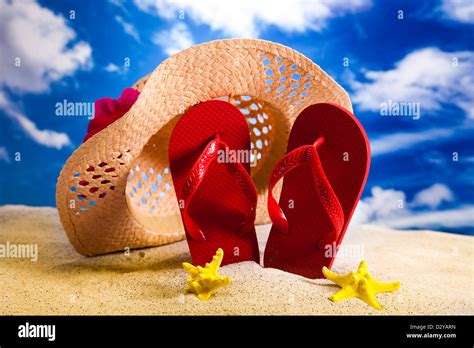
x=219, y=204
x=345, y=158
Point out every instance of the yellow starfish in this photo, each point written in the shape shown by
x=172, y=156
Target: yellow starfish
x=205, y=281
x=359, y=284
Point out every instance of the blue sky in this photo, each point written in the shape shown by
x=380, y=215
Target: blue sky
x=423, y=55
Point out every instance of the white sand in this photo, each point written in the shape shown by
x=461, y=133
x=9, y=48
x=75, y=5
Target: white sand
x=435, y=270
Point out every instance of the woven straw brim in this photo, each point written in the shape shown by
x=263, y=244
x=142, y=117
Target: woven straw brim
x=115, y=191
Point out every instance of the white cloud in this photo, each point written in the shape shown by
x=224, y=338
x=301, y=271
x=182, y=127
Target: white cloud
x=128, y=28
x=4, y=154
x=46, y=137
x=433, y=196
x=427, y=76
x=383, y=204
x=459, y=10
x=119, y=4
x=388, y=207
x=174, y=40
x=401, y=141
x=112, y=68
x=451, y=218
x=44, y=43
x=248, y=18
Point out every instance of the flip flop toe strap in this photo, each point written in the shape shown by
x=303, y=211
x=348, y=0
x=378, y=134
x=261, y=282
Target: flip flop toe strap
x=303, y=156
x=196, y=177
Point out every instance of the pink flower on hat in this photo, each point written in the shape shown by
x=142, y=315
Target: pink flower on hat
x=109, y=110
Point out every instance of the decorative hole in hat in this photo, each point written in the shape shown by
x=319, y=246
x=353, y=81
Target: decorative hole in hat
x=115, y=191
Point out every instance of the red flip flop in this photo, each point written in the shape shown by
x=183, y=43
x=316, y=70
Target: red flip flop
x=216, y=195
x=330, y=150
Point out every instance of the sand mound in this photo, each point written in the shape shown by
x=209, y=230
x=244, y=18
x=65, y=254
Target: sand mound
x=435, y=270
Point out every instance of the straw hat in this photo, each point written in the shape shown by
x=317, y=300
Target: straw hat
x=115, y=191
